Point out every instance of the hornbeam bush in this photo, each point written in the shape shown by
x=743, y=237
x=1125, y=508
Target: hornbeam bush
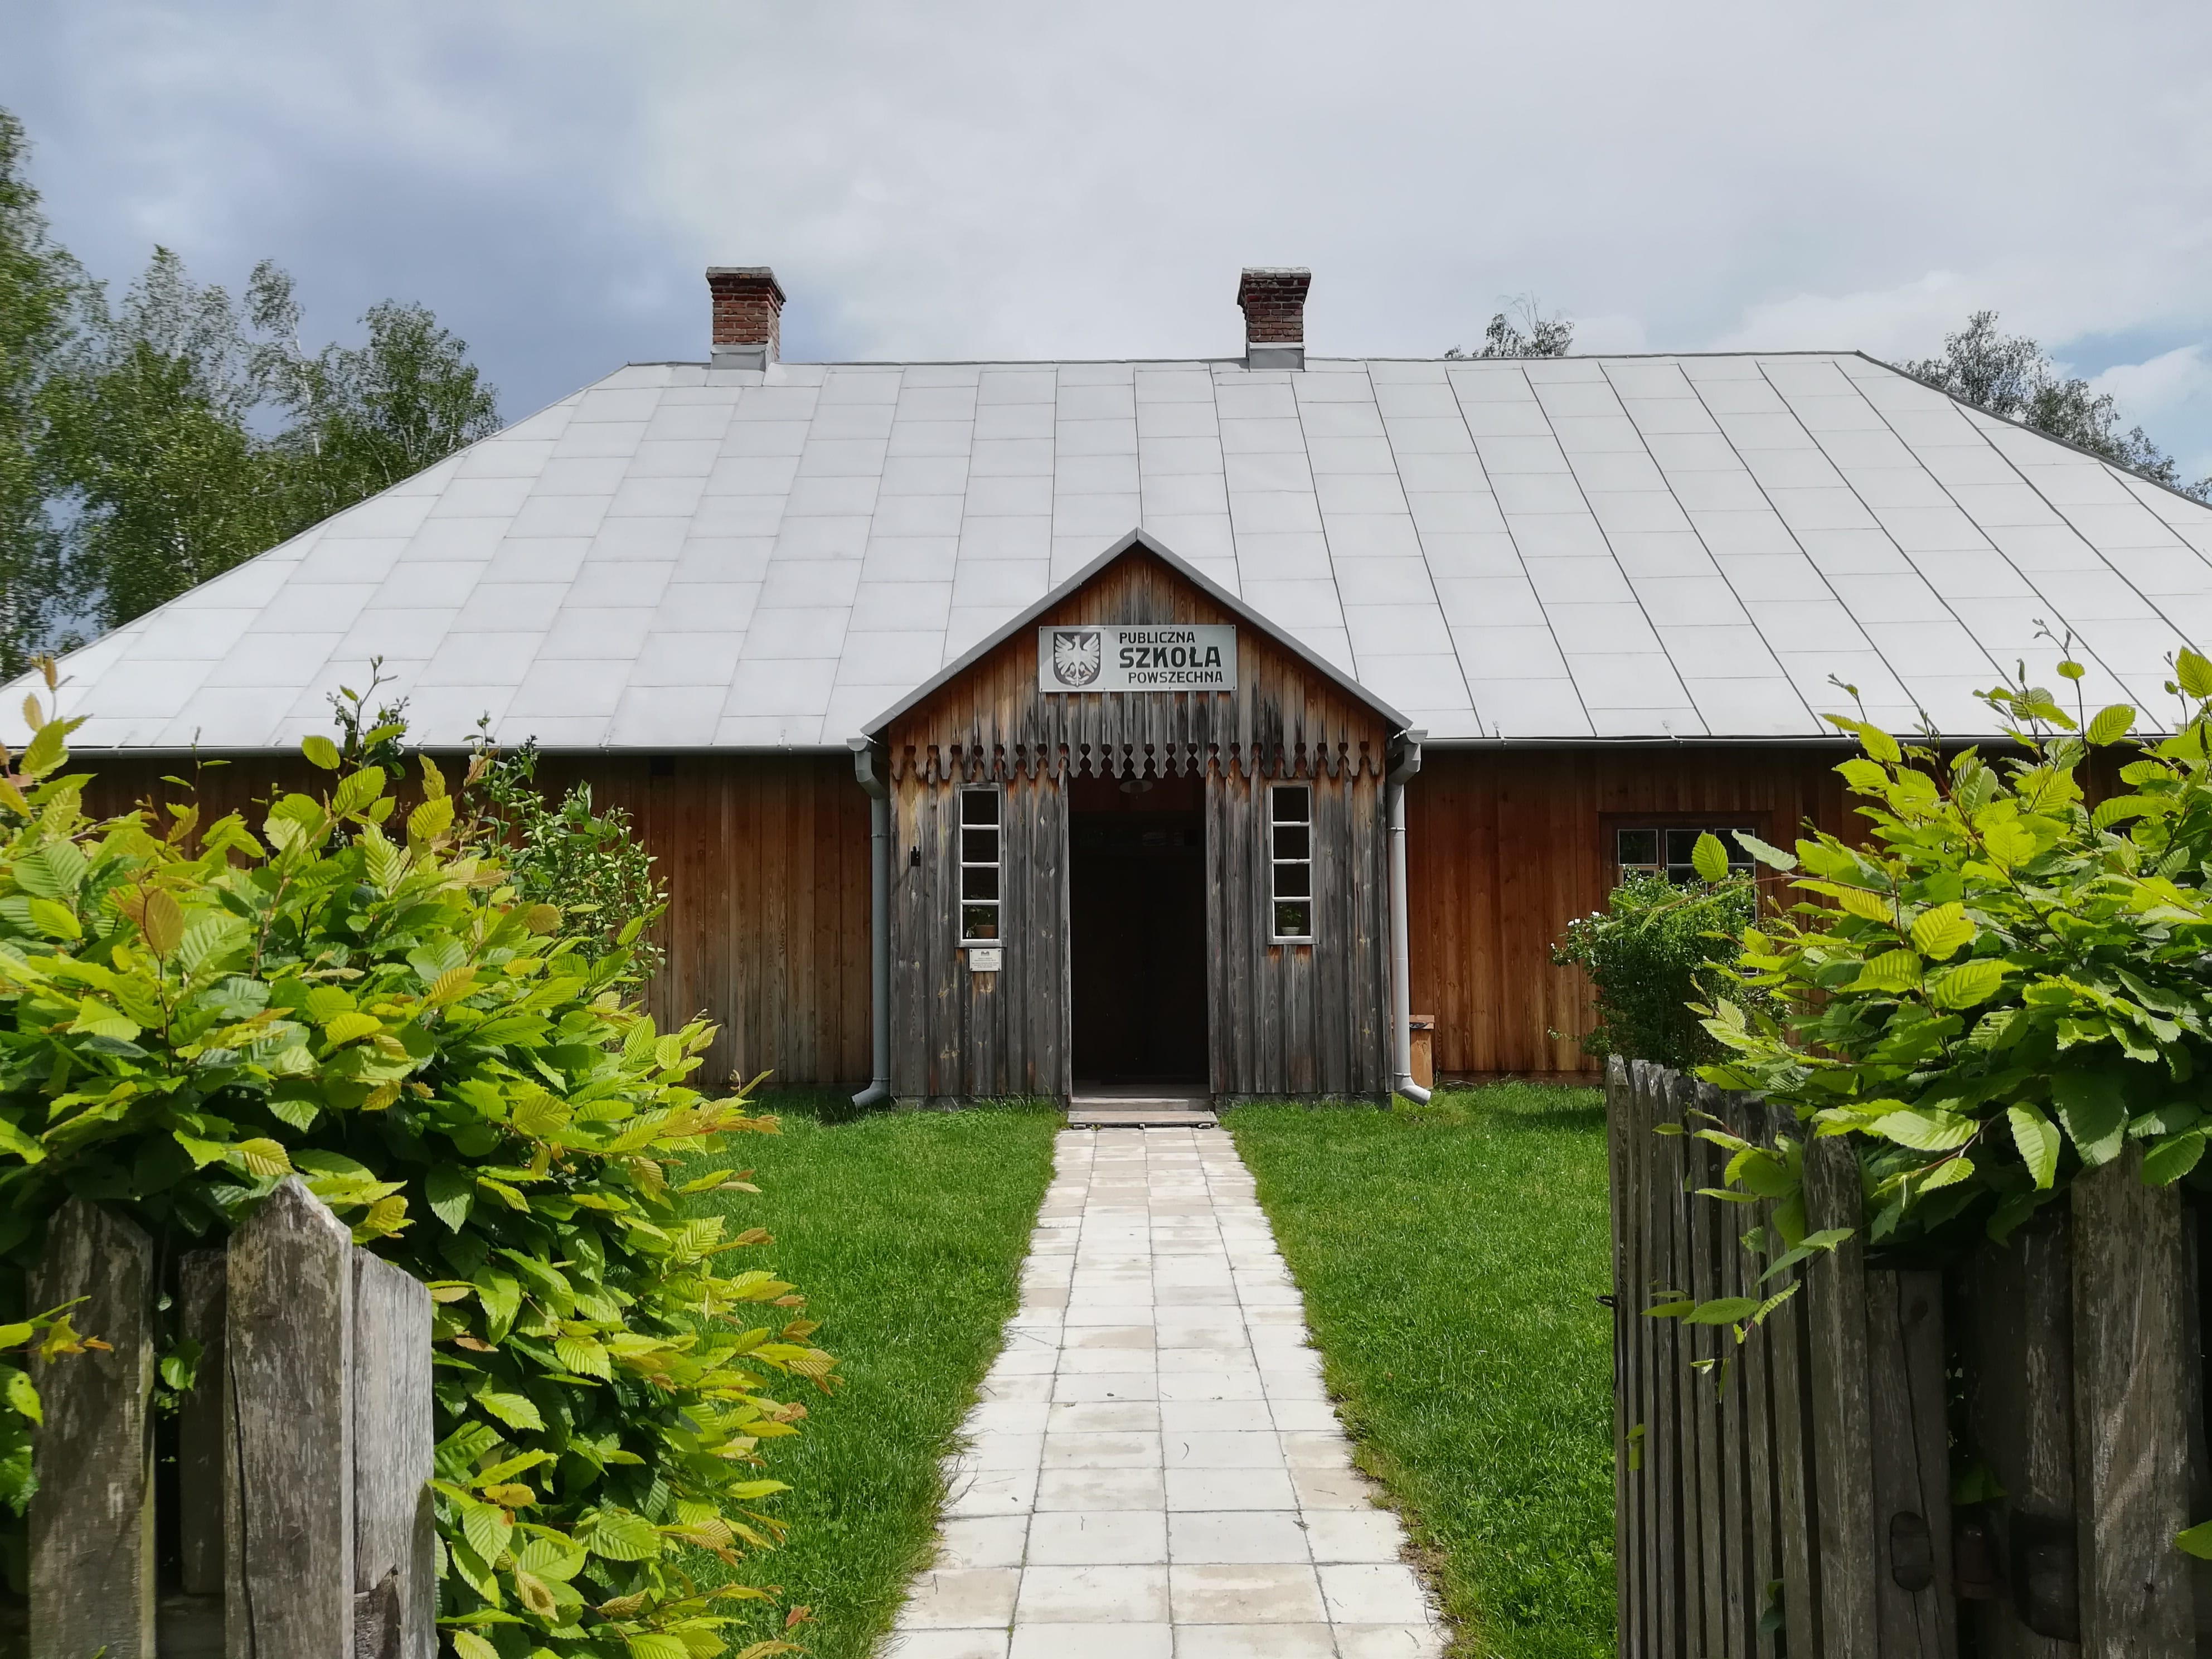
x=2004, y=986
x=191, y=1012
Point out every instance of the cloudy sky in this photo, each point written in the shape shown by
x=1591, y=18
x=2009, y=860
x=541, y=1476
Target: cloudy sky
x=965, y=179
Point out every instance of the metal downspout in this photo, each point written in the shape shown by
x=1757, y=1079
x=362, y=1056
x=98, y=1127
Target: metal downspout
x=1401, y=989
x=879, y=920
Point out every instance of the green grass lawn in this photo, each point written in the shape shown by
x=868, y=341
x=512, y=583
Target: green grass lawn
x=1450, y=1257
x=906, y=1232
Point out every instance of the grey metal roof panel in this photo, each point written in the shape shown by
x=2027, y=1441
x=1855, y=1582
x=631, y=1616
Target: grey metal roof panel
x=680, y=556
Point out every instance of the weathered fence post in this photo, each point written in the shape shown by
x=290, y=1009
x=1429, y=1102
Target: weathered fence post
x=93, y=1571
x=1842, y=1430
x=289, y=1433
x=2020, y=1406
x=200, y=1425
x=2131, y=1436
x=1905, y=1359
x=395, y=1570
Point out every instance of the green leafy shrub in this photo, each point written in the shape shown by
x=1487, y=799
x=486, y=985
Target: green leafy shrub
x=2006, y=986
x=1652, y=952
x=189, y=1012
x=562, y=852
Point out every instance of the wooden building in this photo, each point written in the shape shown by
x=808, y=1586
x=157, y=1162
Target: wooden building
x=1002, y=729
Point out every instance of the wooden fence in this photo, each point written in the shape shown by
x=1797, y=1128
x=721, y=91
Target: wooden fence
x=1799, y=1503
x=287, y=1514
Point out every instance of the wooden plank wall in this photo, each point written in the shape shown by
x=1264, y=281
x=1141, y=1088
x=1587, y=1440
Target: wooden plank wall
x=1285, y=1019
x=766, y=859
x=1504, y=849
x=1298, y=1019
x=959, y=1034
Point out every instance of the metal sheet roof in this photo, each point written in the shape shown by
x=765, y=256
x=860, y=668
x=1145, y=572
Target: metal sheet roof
x=1582, y=548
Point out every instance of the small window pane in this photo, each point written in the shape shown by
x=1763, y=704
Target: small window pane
x=1292, y=803
x=1293, y=841
x=1636, y=847
x=979, y=921
x=979, y=881
x=1294, y=881
x=1681, y=844
x=979, y=846
x=1293, y=921
x=979, y=806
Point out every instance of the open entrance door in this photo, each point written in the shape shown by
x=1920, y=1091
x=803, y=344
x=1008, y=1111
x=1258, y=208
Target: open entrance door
x=1137, y=925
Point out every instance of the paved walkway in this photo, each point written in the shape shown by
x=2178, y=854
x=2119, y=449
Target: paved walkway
x=1155, y=1472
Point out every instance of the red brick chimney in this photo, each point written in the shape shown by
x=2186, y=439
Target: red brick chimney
x=748, y=305
x=1273, y=298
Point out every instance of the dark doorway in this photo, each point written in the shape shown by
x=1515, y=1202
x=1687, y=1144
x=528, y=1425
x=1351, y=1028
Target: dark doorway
x=1137, y=925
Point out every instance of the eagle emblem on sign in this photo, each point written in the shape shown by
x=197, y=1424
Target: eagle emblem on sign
x=1077, y=655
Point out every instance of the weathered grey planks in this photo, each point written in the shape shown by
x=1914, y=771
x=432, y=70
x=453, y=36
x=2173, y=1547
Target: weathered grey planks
x=1842, y=1429
x=2131, y=1435
x=1917, y=1613
x=200, y=1318
x=395, y=1570
x=92, y=1561
x=289, y=1427
x=2020, y=1409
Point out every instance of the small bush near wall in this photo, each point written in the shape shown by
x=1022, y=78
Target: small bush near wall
x=191, y=1012
x=1651, y=953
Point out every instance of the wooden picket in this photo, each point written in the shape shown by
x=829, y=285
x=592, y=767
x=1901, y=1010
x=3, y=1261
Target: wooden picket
x=1794, y=1496
x=303, y=1521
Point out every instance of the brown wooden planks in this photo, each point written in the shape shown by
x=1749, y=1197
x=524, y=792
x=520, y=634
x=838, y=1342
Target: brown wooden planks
x=1503, y=849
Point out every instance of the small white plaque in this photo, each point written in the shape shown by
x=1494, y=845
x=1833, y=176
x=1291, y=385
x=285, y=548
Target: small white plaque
x=1137, y=657
x=986, y=958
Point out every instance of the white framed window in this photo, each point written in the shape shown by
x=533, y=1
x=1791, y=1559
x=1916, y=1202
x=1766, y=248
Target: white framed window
x=1290, y=864
x=980, y=847
x=1664, y=849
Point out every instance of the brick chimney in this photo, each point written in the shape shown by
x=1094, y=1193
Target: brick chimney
x=748, y=303
x=1273, y=298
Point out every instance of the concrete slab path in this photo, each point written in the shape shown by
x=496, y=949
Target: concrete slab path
x=1154, y=1471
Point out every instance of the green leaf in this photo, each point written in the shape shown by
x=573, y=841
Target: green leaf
x=1968, y=984
x=467, y=1645
x=620, y=1535
x=350, y=1027
x=1723, y=1310
x=321, y=751
x=16, y=1390
x=2167, y=1161
x=2194, y=675
x=1891, y=971
x=356, y=790
x=1709, y=858
x=452, y=1193
x=1773, y=857
x=488, y=1527
x=2090, y=1106
x=55, y=919
x=2110, y=725
x=516, y=1410
x=1943, y=931
x=1925, y=1131
x=2038, y=1138
x=651, y=1645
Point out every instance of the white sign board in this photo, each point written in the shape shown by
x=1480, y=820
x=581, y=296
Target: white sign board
x=986, y=958
x=1137, y=657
